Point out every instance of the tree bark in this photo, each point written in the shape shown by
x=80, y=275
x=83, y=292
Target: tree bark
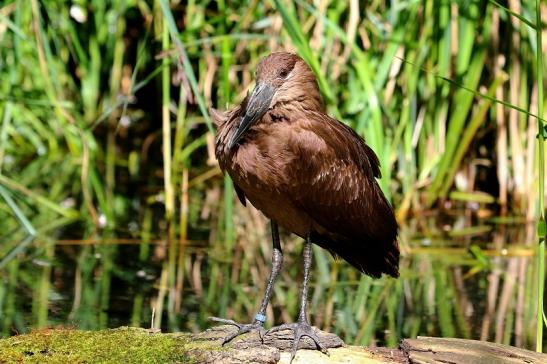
x=136, y=345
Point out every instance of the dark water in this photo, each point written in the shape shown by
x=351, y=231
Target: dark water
x=471, y=281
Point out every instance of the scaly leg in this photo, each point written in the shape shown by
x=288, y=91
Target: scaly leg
x=302, y=327
x=260, y=318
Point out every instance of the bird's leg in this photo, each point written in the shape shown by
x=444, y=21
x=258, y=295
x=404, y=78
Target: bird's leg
x=260, y=317
x=302, y=327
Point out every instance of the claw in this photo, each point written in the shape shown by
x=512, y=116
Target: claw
x=241, y=329
x=224, y=321
x=280, y=328
x=300, y=330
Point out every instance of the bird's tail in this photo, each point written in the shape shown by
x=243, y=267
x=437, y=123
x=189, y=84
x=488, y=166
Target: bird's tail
x=373, y=258
x=374, y=262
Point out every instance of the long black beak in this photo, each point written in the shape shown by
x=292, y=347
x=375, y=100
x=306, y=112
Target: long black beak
x=258, y=104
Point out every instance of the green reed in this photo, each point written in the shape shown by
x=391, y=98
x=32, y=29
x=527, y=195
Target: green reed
x=542, y=231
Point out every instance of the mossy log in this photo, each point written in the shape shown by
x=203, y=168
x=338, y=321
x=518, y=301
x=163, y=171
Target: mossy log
x=134, y=345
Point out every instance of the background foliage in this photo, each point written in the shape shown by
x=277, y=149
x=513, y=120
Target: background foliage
x=104, y=137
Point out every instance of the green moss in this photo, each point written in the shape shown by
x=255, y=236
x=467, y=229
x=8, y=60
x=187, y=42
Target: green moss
x=121, y=345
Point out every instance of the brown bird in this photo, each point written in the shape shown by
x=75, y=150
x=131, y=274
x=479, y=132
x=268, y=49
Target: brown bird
x=309, y=174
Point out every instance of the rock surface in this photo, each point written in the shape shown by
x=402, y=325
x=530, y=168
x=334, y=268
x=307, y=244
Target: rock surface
x=134, y=345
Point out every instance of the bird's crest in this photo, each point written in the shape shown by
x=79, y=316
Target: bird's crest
x=219, y=117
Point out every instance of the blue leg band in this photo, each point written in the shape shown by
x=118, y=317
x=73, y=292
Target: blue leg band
x=260, y=317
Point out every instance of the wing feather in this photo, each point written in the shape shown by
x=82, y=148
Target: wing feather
x=334, y=182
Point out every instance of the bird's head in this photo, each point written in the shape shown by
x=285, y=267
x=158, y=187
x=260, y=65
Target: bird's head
x=280, y=78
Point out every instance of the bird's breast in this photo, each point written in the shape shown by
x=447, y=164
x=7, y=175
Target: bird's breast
x=264, y=178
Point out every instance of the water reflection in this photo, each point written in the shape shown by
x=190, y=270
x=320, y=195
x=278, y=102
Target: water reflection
x=479, y=283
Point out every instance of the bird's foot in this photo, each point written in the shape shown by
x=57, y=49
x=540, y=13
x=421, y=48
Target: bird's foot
x=241, y=328
x=300, y=329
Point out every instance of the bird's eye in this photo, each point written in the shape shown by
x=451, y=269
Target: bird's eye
x=283, y=73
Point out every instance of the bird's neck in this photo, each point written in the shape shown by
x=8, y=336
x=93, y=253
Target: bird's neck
x=225, y=129
x=300, y=100
x=297, y=104
x=304, y=98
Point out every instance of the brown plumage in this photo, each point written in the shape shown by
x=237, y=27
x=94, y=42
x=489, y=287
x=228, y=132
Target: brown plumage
x=309, y=172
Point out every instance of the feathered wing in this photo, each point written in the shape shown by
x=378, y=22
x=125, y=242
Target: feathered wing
x=222, y=121
x=338, y=190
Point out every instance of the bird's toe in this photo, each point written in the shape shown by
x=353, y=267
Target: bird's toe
x=281, y=328
x=300, y=329
x=224, y=321
x=304, y=329
x=241, y=329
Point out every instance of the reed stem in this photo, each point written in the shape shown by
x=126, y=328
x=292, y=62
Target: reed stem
x=541, y=167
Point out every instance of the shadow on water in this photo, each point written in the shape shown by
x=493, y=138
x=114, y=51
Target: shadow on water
x=456, y=281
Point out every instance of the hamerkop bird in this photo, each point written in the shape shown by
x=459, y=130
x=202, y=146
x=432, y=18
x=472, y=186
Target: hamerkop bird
x=308, y=173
